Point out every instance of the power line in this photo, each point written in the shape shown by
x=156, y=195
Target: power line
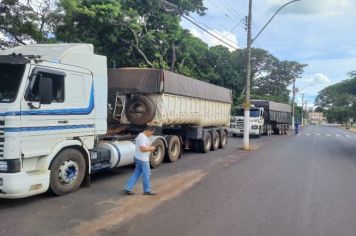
x=237, y=25
x=233, y=11
x=194, y=23
x=224, y=36
x=221, y=9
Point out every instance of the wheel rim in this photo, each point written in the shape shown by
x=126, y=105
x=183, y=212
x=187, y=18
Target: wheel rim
x=224, y=140
x=208, y=143
x=68, y=172
x=175, y=149
x=137, y=110
x=217, y=141
x=156, y=155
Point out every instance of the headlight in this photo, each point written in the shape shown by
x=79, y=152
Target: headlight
x=10, y=166
x=254, y=127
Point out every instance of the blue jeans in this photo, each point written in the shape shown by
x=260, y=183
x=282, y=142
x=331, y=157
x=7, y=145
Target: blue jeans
x=141, y=167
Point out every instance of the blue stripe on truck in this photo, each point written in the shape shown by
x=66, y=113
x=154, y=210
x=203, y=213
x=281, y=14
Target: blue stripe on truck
x=48, y=128
x=74, y=111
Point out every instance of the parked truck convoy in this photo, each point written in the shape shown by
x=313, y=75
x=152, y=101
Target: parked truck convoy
x=64, y=116
x=266, y=117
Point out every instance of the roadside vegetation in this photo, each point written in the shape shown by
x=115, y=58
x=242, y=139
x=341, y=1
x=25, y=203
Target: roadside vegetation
x=140, y=33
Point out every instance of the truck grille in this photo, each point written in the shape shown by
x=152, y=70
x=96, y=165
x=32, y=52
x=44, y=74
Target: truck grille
x=240, y=124
x=2, y=137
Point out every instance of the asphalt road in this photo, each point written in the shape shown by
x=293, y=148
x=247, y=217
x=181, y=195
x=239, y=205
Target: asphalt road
x=289, y=185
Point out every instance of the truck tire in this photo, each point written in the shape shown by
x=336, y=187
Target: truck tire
x=216, y=141
x=174, y=149
x=205, y=144
x=223, y=139
x=140, y=110
x=156, y=157
x=67, y=171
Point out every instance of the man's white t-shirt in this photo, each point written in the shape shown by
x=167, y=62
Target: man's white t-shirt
x=142, y=140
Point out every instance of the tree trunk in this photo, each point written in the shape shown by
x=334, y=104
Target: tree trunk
x=174, y=58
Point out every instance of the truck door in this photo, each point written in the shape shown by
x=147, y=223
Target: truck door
x=80, y=97
x=42, y=125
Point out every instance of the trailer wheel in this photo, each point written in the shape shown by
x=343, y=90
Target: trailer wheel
x=205, y=144
x=216, y=141
x=67, y=171
x=223, y=139
x=280, y=132
x=156, y=157
x=140, y=110
x=174, y=149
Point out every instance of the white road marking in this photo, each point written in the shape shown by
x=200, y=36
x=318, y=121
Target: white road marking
x=348, y=136
x=337, y=135
x=308, y=134
x=328, y=135
x=317, y=134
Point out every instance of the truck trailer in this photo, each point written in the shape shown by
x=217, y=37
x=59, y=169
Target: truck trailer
x=65, y=116
x=266, y=117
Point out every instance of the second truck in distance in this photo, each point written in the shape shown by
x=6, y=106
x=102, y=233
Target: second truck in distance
x=266, y=117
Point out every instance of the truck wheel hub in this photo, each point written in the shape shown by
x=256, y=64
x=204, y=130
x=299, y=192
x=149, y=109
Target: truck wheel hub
x=68, y=172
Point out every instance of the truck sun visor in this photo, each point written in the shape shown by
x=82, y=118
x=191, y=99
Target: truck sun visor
x=14, y=59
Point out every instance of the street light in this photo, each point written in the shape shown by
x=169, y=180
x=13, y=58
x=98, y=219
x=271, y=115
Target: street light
x=246, y=139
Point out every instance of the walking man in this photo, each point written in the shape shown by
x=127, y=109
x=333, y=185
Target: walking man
x=142, y=164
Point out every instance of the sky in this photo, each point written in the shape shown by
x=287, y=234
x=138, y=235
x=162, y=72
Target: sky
x=319, y=33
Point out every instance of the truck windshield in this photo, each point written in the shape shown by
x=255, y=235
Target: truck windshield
x=253, y=112
x=10, y=79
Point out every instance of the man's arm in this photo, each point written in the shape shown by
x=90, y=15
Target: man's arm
x=147, y=148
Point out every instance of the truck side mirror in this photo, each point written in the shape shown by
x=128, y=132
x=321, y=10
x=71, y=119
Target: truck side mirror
x=46, y=90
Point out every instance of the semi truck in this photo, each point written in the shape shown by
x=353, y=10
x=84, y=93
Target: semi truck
x=266, y=117
x=65, y=116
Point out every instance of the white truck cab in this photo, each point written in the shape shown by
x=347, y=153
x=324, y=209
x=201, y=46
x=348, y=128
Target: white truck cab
x=256, y=122
x=48, y=107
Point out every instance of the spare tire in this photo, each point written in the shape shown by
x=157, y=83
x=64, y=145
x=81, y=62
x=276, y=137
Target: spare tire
x=140, y=110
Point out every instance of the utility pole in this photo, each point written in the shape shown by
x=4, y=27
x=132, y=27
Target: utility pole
x=248, y=82
x=306, y=112
x=247, y=104
x=302, y=109
x=293, y=97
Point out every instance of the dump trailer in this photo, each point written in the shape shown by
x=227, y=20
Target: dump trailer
x=266, y=117
x=64, y=116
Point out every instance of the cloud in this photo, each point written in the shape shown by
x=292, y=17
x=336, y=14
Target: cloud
x=306, y=7
x=311, y=85
x=317, y=79
x=226, y=36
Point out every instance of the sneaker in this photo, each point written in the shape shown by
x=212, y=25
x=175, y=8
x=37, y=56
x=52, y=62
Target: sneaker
x=128, y=192
x=150, y=193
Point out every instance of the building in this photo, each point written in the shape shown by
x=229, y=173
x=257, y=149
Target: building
x=315, y=117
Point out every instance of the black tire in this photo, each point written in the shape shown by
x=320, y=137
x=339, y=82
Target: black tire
x=140, y=110
x=223, y=139
x=216, y=141
x=206, y=143
x=174, y=148
x=67, y=172
x=156, y=157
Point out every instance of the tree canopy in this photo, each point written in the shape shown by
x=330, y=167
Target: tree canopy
x=338, y=101
x=146, y=33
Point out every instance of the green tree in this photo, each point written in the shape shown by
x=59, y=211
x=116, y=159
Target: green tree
x=31, y=21
x=339, y=100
